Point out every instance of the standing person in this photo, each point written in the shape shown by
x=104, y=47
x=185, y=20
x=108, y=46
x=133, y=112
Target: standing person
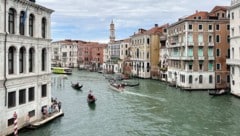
x=59, y=106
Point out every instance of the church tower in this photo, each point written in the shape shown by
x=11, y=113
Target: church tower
x=112, y=32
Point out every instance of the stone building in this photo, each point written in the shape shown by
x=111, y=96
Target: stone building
x=234, y=60
x=197, y=47
x=25, y=53
x=65, y=53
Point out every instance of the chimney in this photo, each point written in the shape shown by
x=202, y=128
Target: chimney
x=156, y=25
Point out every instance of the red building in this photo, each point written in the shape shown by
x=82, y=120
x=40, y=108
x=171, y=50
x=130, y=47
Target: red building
x=90, y=55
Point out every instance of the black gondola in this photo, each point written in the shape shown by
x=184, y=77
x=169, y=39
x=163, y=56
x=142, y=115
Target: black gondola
x=77, y=86
x=218, y=93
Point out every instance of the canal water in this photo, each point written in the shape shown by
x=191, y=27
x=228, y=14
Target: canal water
x=152, y=109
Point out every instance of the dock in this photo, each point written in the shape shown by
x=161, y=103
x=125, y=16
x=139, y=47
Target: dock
x=39, y=123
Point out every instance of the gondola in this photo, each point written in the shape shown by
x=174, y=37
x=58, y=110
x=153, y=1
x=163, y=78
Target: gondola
x=91, y=101
x=77, y=86
x=218, y=93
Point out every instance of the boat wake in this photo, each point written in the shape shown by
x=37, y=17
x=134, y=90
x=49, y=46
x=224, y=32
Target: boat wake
x=142, y=95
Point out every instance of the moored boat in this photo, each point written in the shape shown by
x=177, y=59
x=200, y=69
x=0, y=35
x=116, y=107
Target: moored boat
x=218, y=93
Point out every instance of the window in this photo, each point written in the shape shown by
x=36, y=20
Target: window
x=44, y=59
x=190, y=66
x=218, y=79
x=232, y=15
x=210, y=39
x=31, y=94
x=218, y=52
x=228, y=39
x=11, y=21
x=210, y=79
x=200, y=66
x=217, y=27
x=228, y=27
x=200, y=79
x=148, y=67
x=11, y=59
x=31, y=59
x=44, y=90
x=190, y=26
x=44, y=23
x=31, y=113
x=10, y=122
x=218, y=66
x=148, y=41
x=21, y=59
x=233, y=71
x=22, y=96
x=209, y=27
x=21, y=23
x=31, y=25
x=200, y=27
x=218, y=39
x=11, y=99
x=190, y=79
x=228, y=78
x=210, y=66
x=232, y=31
x=200, y=38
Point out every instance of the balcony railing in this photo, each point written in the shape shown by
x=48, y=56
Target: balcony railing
x=233, y=62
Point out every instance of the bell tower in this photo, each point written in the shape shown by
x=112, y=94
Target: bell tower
x=112, y=32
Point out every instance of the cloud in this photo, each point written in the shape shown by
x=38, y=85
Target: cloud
x=90, y=18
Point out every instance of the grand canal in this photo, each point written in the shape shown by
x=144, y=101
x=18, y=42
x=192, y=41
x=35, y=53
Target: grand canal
x=152, y=109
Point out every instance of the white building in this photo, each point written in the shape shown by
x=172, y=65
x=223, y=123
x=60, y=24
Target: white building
x=65, y=53
x=25, y=82
x=234, y=60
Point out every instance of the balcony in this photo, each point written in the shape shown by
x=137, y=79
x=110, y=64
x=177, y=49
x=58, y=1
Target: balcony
x=201, y=57
x=187, y=58
x=211, y=44
x=201, y=44
x=210, y=57
x=233, y=62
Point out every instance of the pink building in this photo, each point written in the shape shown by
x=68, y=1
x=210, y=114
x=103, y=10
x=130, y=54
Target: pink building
x=90, y=55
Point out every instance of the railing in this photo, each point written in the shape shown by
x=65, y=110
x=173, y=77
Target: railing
x=233, y=62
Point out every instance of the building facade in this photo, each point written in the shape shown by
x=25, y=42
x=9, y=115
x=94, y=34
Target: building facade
x=25, y=81
x=194, y=46
x=234, y=60
x=65, y=53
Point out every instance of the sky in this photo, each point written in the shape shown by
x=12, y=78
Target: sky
x=89, y=20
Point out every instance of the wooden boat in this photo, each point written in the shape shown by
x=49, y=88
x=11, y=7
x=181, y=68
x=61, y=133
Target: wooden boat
x=131, y=84
x=116, y=87
x=91, y=101
x=77, y=86
x=218, y=93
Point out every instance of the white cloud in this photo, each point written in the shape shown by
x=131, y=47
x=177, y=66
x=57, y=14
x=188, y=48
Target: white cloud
x=95, y=15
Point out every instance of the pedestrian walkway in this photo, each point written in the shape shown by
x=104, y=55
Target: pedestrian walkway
x=41, y=122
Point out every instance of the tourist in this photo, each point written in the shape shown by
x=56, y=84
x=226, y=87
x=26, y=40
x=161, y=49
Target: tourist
x=59, y=106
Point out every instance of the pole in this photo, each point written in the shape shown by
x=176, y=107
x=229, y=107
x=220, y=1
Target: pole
x=15, y=124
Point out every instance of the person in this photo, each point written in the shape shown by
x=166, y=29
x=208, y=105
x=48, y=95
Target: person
x=90, y=96
x=59, y=106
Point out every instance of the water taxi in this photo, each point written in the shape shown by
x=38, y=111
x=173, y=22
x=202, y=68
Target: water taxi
x=60, y=70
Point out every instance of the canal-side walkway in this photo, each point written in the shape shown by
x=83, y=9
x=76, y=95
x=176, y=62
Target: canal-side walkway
x=39, y=123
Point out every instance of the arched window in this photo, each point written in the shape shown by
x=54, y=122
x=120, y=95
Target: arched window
x=21, y=22
x=200, y=79
x=31, y=25
x=11, y=21
x=31, y=59
x=137, y=53
x=11, y=58
x=44, y=26
x=22, y=57
x=44, y=59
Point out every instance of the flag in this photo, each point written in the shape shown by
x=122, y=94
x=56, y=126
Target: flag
x=25, y=15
